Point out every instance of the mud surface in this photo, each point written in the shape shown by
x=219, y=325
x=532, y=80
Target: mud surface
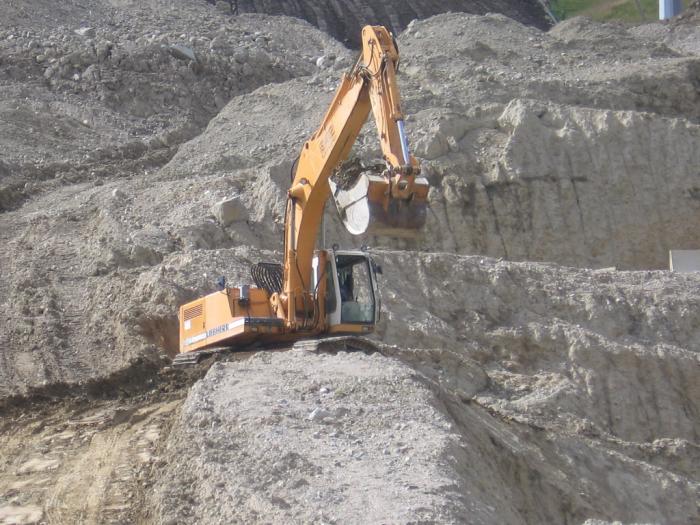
x=90, y=462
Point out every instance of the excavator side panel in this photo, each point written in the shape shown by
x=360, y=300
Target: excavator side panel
x=229, y=317
x=351, y=329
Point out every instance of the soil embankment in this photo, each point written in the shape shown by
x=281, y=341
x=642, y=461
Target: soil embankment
x=502, y=391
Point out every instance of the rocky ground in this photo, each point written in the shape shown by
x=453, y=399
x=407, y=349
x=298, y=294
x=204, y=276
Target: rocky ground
x=538, y=146
x=502, y=392
x=529, y=393
x=83, y=464
x=344, y=20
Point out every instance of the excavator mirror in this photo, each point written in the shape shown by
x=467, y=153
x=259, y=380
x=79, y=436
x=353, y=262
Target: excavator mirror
x=221, y=282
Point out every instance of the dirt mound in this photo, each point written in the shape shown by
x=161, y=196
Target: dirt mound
x=524, y=163
x=544, y=387
x=90, y=108
x=537, y=146
x=344, y=20
x=297, y=448
x=88, y=102
x=682, y=32
x=573, y=391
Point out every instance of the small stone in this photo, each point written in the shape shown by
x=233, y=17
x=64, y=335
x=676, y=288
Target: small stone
x=319, y=414
x=182, y=52
x=88, y=32
x=229, y=210
x=118, y=194
x=325, y=61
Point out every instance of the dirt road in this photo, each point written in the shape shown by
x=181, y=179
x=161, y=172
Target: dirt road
x=79, y=462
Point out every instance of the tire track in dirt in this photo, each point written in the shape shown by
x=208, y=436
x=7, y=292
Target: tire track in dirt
x=79, y=464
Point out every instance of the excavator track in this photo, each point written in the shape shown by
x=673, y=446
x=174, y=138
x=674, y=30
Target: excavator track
x=328, y=344
x=189, y=359
x=334, y=344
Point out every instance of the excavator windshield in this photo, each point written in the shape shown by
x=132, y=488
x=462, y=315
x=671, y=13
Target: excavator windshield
x=356, y=290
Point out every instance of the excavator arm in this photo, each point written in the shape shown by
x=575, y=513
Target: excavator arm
x=395, y=198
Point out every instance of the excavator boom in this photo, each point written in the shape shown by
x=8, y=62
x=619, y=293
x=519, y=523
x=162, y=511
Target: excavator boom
x=394, y=200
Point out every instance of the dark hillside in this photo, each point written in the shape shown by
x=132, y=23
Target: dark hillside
x=344, y=18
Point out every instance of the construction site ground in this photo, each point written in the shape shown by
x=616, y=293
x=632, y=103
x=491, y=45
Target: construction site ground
x=536, y=362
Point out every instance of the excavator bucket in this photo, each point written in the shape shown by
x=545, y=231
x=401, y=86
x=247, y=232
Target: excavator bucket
x=366, y=207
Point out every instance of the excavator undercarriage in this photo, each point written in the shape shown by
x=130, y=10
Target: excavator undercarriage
x=325, y=344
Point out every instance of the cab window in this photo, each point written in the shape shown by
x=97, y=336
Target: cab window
x=355, y=286
x=331, y=302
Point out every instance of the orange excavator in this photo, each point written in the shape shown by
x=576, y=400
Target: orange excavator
x=325, y=292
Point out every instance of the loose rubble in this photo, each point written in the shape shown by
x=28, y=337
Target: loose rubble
x=147, y=149
x=538, y=146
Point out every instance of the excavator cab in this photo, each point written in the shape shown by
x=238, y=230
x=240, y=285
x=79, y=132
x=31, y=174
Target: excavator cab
x=351, y=294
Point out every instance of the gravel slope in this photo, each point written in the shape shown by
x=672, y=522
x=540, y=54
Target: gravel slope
x=528, y=392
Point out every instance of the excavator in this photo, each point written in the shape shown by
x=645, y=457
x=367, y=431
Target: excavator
x=324, y=293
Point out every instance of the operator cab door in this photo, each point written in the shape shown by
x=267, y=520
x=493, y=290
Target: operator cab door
x=351, y=293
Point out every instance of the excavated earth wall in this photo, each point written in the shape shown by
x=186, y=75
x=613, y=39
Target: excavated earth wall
x=344, y=20
x=516, y=393
x=576, y=146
